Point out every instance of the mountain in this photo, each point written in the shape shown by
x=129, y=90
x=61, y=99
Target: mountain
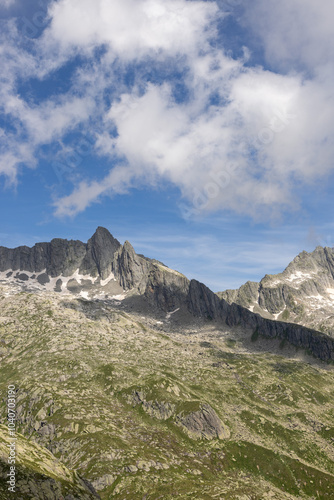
x=103, y=269
x=147, y=407
x=148, y=385
x=303, y=293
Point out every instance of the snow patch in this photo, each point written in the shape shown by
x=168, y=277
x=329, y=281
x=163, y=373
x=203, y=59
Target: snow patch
x=299, y=276
x=168, y=315
x=118, y=297
x=52, y=280
x=276, y=315
x=107, y=280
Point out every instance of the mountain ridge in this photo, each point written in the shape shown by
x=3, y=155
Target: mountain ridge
x=303, y=293
x=103, y=269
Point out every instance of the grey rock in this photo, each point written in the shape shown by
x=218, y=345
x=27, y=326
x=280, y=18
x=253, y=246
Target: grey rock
x=166, y=290
x=130, y=269
x=203, y=302
x=156, y=409
x=203, y=424
x=99, y=256
x=318, y=344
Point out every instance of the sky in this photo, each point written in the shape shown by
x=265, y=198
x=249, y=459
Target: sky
x=200, y=131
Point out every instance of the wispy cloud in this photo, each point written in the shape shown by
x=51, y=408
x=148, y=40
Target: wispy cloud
x=7, y=3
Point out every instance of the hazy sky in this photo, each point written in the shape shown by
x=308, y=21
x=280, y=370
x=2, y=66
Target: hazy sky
x=201, y=131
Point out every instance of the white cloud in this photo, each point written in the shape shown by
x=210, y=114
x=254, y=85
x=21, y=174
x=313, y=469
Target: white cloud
x=132, y=28
x=296, y=34
x=244, y=138
x=196, y=145
x=117, y=182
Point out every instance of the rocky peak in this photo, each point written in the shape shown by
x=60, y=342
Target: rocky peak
x=130, y=268
x=100, y=251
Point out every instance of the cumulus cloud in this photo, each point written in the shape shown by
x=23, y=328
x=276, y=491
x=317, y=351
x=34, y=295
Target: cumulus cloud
x=132, y=28
x=205, y=149
x=240, y=138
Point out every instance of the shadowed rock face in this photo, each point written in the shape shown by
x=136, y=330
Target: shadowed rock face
x=62, y=257
x=57, y=257
x=204, y=303
x=319, y=344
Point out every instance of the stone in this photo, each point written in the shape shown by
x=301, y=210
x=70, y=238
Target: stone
x=203, y=424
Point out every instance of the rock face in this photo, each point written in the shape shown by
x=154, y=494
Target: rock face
x=57, y=257
x=318, y=344
x=303, y=293
x=63, y=257
x=203, y=302
x=99, y=255
x=203, y=424
x=130, y=268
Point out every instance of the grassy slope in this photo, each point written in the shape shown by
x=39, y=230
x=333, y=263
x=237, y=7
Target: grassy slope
x=77, y=365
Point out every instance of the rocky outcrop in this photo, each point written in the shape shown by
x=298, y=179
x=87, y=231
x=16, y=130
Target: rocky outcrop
x=57, y=257
x=203, y=424
x=130, y=268
x=245, y=296
x=62, y=257
x=161, y=410
x=166, y=289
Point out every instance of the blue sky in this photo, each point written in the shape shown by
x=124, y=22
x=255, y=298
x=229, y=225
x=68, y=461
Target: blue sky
x=201, y=131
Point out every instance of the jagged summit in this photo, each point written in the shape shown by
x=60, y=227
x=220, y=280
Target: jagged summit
x=100, y=268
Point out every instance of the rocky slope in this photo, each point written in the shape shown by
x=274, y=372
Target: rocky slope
x=148, y=407
x=39, y=475
x=103, y=269
x=303, y=293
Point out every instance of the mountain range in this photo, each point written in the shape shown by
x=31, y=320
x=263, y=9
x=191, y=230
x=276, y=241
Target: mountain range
x=103, y=269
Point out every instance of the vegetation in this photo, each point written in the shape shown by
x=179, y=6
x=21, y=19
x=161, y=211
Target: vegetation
x=78, y=370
